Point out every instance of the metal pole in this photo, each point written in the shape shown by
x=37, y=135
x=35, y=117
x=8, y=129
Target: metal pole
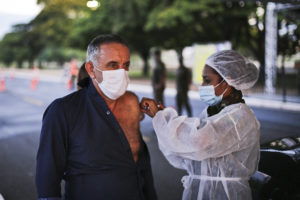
x=271, y=48
x=283, y=79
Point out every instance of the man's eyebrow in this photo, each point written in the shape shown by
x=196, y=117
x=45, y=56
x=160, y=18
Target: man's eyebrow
x=112, y=62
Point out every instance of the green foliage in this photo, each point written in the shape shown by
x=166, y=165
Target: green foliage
x=200, y=21
x=20, y=45
x=288, y=42
x=56, y=20
x=63, y=27
x=61, y=55
x=93, y=23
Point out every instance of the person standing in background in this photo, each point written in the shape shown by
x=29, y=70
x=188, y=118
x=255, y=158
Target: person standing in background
x=158, y=77
x=82, y=77
x=73, y=74
x=183, y=81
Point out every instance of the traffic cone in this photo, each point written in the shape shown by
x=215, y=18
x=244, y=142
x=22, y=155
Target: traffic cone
x=70, y=84
x=2, y=85
x=34, y=83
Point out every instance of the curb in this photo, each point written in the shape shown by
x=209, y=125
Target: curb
x=251, y=101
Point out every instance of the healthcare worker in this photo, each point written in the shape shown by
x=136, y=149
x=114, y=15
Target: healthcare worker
x=219, y=150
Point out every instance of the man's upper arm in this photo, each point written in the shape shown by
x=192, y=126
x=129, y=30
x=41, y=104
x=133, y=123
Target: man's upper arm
x=51, y=156
x=132, y=102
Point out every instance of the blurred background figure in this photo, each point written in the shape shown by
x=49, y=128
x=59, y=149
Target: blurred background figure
x=82, y=78
x=73, y=74
x=158, y=77
x=183, y=81
x=2, y=81
x=12, y=72
x=35, y=78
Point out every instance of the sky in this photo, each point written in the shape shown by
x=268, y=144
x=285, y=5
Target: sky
x=16, y=12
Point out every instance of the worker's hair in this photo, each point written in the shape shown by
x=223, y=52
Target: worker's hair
x=94, y=46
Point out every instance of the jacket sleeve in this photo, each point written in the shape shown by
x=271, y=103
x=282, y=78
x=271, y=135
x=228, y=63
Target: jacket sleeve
x=229, y=131
x=51, y=156
x=148, y=186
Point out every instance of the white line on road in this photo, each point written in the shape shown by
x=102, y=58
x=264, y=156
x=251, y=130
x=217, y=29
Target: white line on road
x=33, y=101
x=7, y=132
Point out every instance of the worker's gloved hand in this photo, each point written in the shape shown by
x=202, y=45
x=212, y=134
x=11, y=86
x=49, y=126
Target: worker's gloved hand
x=150, y=107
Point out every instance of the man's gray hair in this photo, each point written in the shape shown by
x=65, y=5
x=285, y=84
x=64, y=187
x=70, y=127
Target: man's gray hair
x=93, y=47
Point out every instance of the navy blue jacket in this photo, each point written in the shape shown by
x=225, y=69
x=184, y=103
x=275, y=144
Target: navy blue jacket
x=82, y=143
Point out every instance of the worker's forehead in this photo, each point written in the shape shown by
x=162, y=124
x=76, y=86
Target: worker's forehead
x=208, y=71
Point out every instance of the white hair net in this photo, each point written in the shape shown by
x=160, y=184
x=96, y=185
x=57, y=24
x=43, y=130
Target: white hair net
x=236, y=70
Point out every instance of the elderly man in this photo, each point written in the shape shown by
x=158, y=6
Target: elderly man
x=91, y=138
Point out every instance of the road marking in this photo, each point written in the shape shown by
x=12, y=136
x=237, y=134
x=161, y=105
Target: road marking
x=33, y=101
x=10, y=131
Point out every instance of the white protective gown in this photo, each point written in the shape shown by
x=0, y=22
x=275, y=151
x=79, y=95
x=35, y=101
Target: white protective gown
x=220, y=153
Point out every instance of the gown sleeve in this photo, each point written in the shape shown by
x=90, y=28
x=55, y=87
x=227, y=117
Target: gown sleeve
x=51, y=156
x=233, y=129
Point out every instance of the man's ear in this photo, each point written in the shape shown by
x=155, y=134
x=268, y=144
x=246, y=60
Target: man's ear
x=90, y=69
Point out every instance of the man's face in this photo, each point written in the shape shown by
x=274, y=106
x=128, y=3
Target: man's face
x=112, y=56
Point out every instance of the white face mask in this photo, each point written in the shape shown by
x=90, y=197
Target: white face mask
x=207, y=94
x=114, y=82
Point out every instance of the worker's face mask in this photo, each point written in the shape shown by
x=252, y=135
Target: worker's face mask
x=207, y=94
x=114, y=82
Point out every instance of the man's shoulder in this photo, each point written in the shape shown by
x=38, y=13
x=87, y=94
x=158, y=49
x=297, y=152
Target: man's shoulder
x=129, y=105
x=76, y=95
x=130, y=97
x=69, y=99
x=130, y=100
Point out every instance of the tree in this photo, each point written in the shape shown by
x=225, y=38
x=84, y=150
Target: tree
x=126, y=18
x=288, y=40
x=55, y=21
x=201, y=21
x=20, y=45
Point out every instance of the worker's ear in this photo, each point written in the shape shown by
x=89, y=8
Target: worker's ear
x=90, y=69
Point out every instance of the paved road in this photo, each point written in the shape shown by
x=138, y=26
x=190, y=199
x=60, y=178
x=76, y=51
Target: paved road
x=20, y=119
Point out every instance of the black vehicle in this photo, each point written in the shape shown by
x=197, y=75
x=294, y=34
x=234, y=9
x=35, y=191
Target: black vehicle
x=279, y=171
